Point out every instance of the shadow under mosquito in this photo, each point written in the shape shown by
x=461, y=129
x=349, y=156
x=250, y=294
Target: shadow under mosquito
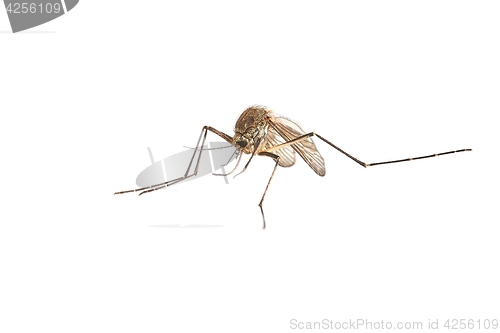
x=200, y=226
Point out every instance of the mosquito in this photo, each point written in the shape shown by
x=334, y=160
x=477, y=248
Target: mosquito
x=260, y=131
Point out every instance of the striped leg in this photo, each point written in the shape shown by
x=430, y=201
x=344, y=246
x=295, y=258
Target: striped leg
x=306, y=136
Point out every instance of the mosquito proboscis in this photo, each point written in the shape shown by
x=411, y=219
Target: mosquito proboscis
x=259, y=131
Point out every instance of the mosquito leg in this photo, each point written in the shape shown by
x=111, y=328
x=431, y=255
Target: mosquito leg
x=164, y=184
x=306, y=136
x=203, y=134
x=276, y=158
x=393, y=161
x=420, y=157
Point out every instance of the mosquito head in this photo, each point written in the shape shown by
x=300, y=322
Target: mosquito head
x=250, y=128
x=243, y=143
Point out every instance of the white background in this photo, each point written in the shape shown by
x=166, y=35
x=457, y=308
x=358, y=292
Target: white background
x=83, y=96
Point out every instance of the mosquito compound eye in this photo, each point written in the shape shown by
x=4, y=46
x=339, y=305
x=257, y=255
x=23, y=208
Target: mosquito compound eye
x=242, y=143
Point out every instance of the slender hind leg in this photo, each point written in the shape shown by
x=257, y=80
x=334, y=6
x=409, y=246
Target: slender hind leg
x=306, y=136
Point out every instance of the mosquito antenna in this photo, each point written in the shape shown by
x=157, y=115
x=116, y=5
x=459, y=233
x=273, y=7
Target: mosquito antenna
x=235, y=152
x=237, y=163
x=253, y=154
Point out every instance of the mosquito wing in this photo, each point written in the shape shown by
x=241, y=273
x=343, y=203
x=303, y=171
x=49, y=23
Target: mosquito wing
x=286, y=154
x=289, y=130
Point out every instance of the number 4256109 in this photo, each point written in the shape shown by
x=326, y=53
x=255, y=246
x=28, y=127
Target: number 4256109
x=33, y=8
x=456, y=324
